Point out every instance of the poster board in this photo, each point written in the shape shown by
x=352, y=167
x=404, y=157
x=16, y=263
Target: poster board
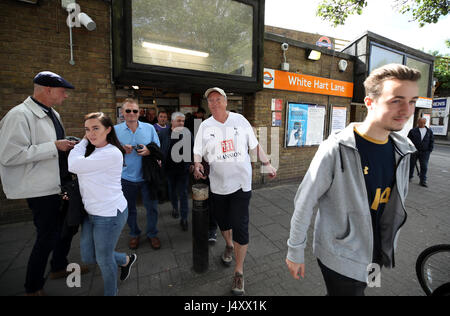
x=305, y=124
x=338, y=118
x=439, y=116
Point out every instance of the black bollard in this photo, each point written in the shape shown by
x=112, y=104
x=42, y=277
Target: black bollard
x=200, y=224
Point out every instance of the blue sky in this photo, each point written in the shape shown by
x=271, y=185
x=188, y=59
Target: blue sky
x=378, y=17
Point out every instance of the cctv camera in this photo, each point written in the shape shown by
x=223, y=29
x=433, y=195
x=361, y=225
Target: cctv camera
x=87, y=21
x=285, y=46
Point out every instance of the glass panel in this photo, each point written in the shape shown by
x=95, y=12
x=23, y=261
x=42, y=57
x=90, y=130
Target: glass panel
x=380, y=57
x=424, y=69
x=206, y=35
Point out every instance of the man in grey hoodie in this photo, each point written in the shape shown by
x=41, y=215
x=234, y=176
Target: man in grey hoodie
x=358, y=180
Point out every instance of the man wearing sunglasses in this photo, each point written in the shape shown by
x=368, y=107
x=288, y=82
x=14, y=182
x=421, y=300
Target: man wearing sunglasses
x=134, y=137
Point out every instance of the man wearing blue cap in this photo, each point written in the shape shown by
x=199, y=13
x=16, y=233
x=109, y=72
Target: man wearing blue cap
x=33, y=165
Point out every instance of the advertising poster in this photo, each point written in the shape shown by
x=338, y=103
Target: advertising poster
x=296, y=124
x=304, y=124
x=439, y=116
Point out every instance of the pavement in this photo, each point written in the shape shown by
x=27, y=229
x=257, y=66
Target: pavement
x=169, y=271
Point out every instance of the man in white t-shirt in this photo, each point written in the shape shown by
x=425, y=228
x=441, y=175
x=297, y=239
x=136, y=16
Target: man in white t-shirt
x=224, y=141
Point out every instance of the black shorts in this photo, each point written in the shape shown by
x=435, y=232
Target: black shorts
x=232, y=212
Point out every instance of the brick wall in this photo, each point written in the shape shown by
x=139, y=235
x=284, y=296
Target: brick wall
x=304, y=37
x=34, y=38
x=293, y=162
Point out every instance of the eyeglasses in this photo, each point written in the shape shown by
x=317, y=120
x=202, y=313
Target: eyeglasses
x=134, y=111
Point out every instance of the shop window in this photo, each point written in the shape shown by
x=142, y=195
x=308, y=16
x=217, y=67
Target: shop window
x=424, y=69
x=201, y=35
x=380, y=57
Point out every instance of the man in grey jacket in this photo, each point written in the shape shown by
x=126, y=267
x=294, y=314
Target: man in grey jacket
x=358, y=180
x=33, y=164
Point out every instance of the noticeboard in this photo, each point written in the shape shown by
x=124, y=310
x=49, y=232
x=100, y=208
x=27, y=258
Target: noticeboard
x=305, y=124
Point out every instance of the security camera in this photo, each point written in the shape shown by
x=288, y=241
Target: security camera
x=87, y=21
x=285, y=46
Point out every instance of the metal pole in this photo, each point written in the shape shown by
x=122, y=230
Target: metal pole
x=200, y=224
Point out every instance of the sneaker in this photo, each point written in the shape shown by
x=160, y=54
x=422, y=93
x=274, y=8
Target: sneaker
x=227, y=256
x=175, y=213
x=212, y=237
x=238, y=284
x=125, y=271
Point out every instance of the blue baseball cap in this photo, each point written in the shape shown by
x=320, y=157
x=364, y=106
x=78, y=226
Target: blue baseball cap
x=50, y=79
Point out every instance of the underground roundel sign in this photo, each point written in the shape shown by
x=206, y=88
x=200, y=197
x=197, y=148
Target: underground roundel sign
x=269, y=78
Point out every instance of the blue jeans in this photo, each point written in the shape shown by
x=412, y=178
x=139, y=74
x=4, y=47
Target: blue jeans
x=99, y=236
x=130, y=191
x=178, y=186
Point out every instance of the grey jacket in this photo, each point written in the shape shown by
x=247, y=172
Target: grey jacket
x=28, y=155
x=343, y=234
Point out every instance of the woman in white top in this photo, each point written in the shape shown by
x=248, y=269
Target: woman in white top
x=97, y=161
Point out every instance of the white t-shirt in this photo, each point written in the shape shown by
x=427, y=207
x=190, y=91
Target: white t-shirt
x=423, y=131
x=99, y=178
x=225, y=147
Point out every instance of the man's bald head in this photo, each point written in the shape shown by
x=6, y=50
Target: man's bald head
x=421, y=122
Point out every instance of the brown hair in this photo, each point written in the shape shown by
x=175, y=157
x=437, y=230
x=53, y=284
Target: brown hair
x=375, y=82
x=111, y=138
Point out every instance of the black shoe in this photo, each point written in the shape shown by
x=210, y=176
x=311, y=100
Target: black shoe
x=184, y=224
x=424, y=184
x=212, y=237
x=125, y=271
x=175, y=213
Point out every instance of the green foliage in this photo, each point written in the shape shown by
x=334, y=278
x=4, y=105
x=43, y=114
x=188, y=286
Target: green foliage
x=423, y=11
x=442, y=70
x=337, y=11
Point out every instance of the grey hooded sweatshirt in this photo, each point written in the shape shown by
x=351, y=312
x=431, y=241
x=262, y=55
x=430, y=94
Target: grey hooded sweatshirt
x=343, y=234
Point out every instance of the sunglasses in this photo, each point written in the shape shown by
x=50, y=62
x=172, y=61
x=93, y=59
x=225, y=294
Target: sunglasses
x=134, y=111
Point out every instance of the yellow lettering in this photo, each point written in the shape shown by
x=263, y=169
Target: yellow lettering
x=386, y=195
x=376, y=201
x=380, y=198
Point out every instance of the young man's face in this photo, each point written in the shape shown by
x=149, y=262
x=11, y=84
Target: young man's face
x=162, y=119
x=393, y=108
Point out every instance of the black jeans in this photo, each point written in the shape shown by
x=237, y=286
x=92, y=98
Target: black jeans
x=48, y=219
x=339, y=285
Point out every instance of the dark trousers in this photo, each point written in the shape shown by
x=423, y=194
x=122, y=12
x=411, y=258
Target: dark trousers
x=339, y=285
x=48, y=220
x=178, y=192
x=423, y=157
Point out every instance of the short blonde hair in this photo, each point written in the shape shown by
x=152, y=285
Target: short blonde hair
x=130, y=100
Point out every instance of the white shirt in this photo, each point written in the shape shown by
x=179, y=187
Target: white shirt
x=99, y=177
x=423, y=131
x=225, y=147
